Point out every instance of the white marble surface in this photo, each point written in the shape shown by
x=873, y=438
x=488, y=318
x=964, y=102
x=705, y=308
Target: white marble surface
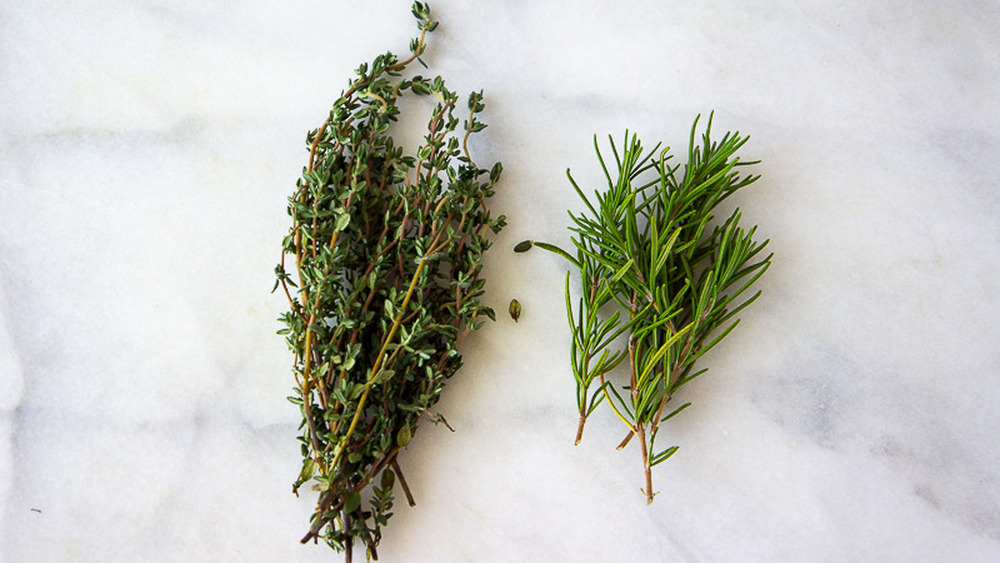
x=146, y=151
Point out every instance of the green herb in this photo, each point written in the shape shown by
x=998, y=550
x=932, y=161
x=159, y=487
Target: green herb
x=387, y=251
x=654, y=273
x=514, y=309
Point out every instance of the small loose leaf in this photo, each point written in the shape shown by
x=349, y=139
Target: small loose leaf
x=523, y=246
x=495, y=172
x=514, y=309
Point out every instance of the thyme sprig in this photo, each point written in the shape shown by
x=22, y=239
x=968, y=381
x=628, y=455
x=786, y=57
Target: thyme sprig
x=659, y=286
x=386, y=284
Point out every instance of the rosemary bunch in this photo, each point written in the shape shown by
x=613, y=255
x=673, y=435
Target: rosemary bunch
x=655, y=273
x=387, y=251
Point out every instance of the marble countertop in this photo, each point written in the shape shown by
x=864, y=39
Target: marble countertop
x=146, y=152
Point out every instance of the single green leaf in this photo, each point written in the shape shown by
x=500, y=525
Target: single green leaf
x=383, y=376
x=343, y=221
x=403, y=436
x=352, y=502
x=308, y=470
x=515, y=309
x=388, y=479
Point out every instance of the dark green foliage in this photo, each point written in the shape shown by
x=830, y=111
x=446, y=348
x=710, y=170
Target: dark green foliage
x=655, y=272
x=387, y=251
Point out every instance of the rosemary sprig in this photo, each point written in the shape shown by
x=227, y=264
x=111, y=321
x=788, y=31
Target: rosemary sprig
x=387, y=255
x=654, y=272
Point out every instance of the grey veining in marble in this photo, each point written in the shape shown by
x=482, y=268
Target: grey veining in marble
x=146, y=151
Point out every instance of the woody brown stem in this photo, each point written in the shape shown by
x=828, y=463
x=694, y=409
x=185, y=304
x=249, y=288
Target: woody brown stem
x=647, y=468
x=402, y=482
x=626, y=440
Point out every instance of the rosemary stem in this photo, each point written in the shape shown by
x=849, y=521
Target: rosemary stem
x=625, y=440
x=646, y=467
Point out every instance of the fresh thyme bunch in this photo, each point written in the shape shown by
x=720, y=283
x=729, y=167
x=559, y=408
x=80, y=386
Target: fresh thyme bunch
x=652, y=270
x=387, y=251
